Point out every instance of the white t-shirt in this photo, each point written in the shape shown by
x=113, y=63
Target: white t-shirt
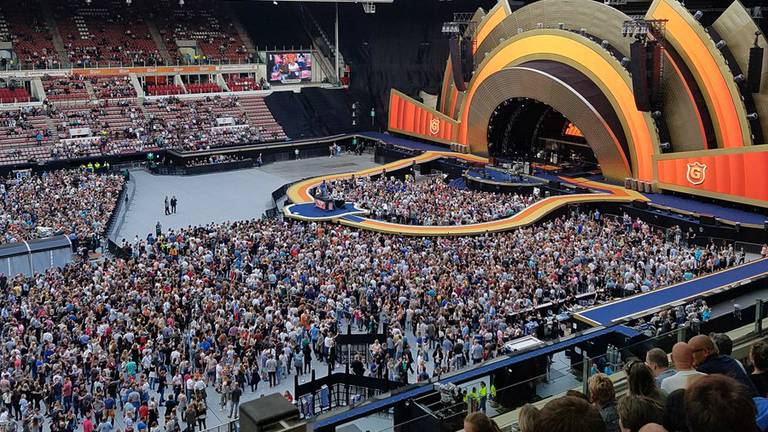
x=678, y=380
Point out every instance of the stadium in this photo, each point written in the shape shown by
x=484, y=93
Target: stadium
x=383, y=215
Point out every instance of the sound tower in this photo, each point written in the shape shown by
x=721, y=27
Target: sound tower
x=467, y=58
x=456, y=66
x=639, y=55
x=754, y=69
x=654, y=71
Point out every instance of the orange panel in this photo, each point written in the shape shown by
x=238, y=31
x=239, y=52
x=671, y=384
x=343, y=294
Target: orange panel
x=737, y=174
x=704, y=66
x=488, y=24
x=575, y=52
x=411, y=117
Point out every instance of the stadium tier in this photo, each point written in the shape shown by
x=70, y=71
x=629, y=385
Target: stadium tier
x=404, y=216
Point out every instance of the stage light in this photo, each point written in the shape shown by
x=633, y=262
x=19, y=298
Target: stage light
x=697, y=16
x=181, y=2
x=665, y=147
x=605, y=44
x=561, y=26
x=625, y=61
x=752, y=116
x=87, y=1
x=722, y=44
x=540, y=25
x=656, y=114
x=583, y=31
x=739, y=78
x=520, y=30
x=128, y=2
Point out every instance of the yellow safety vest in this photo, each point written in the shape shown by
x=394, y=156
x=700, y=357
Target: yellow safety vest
x=483, y=392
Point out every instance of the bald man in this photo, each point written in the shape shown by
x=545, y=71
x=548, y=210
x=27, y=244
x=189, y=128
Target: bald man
x=682, y=358
x=706, y=359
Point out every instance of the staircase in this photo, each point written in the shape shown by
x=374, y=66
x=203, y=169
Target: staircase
x=58, y=41
x=325, y=48
x=158, y=39
x=241, y=31
x=90, y=90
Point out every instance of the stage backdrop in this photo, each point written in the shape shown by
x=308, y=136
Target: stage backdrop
x=730, y=174
x=409, y=116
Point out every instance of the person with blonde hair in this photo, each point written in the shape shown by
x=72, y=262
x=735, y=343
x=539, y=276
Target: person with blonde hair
x=603, y=397
x=479, y=422
x=526, y=419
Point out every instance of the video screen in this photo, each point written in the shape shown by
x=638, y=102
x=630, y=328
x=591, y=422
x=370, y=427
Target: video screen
x=289, y=68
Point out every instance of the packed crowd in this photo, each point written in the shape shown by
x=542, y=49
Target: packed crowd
x=222, y=307
x=427, y=201
x=703, y=389
x=76, y=203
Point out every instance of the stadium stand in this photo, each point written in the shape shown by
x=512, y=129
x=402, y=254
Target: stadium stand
x=113, y=87
x=200, y=21
x=62, y=88
x=165, y=90
x=30, y=34
x=108, y=32
x=243, y=84
x=203, y=88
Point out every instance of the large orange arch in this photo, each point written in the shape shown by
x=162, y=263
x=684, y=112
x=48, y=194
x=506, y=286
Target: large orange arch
x=586, y=56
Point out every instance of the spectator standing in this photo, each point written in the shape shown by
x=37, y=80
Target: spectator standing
x=657, y=360
x=636, y=411
x=603, y=395
x=174, y=201
x=719, y=403
x=758, y=356
x=570, y=414
x=682, y=357
x=708, y=360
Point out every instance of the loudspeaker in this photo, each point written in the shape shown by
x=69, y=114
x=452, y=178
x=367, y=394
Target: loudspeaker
x=456, y=68
x=639, y=68
x=467, y=58
x=654, y=54
x=754, y=69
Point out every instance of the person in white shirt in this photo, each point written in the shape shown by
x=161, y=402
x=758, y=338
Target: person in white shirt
x=682, y=357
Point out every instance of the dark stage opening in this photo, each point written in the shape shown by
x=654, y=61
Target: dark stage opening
x=526, y=129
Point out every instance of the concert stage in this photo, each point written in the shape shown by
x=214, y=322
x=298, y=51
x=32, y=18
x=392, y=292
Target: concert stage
x=299, y=195
x=497, y=180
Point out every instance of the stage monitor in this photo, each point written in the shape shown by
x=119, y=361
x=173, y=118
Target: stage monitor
x=289, y=67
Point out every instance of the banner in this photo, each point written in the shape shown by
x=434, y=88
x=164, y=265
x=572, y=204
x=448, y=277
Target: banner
x=410, y=117
x=739, y=176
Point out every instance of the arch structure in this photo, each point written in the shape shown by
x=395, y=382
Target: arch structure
x=571, y=56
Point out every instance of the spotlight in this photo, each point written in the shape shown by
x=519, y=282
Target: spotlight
x=625, y=61
x=540, y=25
x=665, y=147
x=604, y=44
x=87, y=1
x=697, y=16
x=274, y=2
x=561, y=26
x=656, y=114
x=181, y=2
x=128, y=2
x=720, y=45
x=739, y=78
x=583, y=31
x=752, y=116
x=520, y=30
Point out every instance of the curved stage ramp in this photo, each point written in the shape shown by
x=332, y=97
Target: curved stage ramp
x=303, y=203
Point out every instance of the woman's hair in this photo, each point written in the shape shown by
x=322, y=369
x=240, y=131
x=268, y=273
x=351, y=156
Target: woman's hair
x=527, y=417
x=636, y=411
x=481, y=422
x=641, y=380
x=601, y=389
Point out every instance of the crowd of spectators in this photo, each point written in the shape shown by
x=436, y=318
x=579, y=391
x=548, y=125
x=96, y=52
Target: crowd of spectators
x=76, y=203
x=225, y=306
x=704, y=389
x=212, y=160
x=427, y=201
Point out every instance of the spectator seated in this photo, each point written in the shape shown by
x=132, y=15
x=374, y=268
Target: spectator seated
x=64, y=88
x=243, y=84
x=32, y=38
x=113, y=87
x=111, y=32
